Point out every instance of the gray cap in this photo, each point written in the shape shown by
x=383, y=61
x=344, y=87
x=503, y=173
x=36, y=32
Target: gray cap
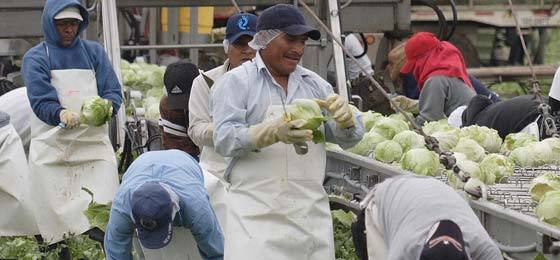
x=4, y=119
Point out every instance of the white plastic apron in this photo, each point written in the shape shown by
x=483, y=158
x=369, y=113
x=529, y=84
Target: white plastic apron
x=62, y=161
x=16, y=216
x=217, y=192
x=277, y=207
x=183, y=246
x=533, y=128
x=456, y=117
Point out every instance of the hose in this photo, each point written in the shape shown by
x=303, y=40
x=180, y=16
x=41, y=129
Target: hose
x=442, y=34
x=454, y=23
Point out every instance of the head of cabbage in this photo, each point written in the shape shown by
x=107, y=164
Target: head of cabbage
x=488, y=138
x=96, y=111
x=542, y=184
x=554, y=144
x=515, y=140
x=388, y=151
x=474, y=171
x=370, y=118
x=368, y=143
x=470, y=148
x=497, y=165
x=548, y=209
x=421, y=161
x=532, y=155
x=389, y=127
x=309, y=111
x=447, y=139
x=437, y=126
x=409, y=140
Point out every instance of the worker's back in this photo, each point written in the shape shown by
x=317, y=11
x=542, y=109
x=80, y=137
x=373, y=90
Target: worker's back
x=408, y=206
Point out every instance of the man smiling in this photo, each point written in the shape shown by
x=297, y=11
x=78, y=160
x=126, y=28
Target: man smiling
x=277, y=206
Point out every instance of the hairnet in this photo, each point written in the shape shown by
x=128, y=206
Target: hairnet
x=226, y=45
x=263, y=38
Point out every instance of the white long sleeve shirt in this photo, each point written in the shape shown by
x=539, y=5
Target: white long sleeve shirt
x=355, y=48
x=200, y=121
x=242, y=96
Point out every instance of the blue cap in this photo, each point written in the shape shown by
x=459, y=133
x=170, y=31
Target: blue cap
x=239, y=25
x=152, y=212
x=288, y=19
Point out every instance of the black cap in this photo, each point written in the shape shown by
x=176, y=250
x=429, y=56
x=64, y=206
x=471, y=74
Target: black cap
x=446, y=243
x=288, y=19
x=178, y=79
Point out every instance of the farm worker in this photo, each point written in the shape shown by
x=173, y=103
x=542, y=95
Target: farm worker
x=408, y=85
x=16, y=104
x=64, y=156
x=163, y=202
x=277, y=206
x=239, y=31
x=173, y=107
x=356, y=45
x=440, y=71
x=518, y=114
x=16, y=217
x=406, y=218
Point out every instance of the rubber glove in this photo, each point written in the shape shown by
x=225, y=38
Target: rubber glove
x=406, y=104
x=278, y=130
x=339, y=109
x=210, y=131
x=69, y=118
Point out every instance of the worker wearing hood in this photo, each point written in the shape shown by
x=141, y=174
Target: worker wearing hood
x=64, y=155
x=442, y=78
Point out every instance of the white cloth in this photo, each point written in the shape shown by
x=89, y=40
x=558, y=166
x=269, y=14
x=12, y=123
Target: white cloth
x=456, y=117
x=376, y=245
x=355, y=48
x=408, y=206
x=62, y=161
x=533, y=128
x=181, y=247
x=555, y=87
x=16, y=216
x=16, y=104
x=200, y=123
x=277, y=206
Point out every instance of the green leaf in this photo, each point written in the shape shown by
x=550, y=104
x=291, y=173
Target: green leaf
x=97, y=214
x=318, y=136
x=540, y=256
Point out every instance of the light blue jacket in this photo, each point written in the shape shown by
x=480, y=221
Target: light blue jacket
x=81, y=54
x=182, y=173
x=242, y=96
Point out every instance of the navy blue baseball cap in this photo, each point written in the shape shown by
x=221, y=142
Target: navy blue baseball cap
x=152, y=213
x=239, y=25
x=288, y=19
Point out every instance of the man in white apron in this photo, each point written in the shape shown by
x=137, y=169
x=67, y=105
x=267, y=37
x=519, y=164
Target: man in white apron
x=163, y=202
x=406, y=218
x=239, y=31
x=16, y=217
x=277, y=207
x=65, y=156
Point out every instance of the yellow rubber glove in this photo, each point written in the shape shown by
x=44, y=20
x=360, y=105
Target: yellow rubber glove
x=339, y=109
x=69, y=118
x=406, y=104
x=278, y=130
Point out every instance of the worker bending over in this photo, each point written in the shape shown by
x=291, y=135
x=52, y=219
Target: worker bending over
x=162, y=201
x=277, y=206
x=420, y=218
x=239, y=32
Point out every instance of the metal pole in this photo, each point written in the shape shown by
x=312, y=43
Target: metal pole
x=193, y=53
x=154, y=18
x=337, y=49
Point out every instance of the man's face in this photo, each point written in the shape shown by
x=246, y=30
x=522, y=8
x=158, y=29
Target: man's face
x=283, y=54
x=67, y=30
x=239, y=51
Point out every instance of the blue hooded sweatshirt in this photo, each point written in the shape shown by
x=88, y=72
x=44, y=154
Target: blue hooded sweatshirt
x=79, y=55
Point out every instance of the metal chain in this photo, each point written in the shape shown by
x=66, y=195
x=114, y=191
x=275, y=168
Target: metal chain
x=548, y=124
x=445, y=157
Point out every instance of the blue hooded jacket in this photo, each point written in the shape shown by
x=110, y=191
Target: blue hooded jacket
x=79, y=55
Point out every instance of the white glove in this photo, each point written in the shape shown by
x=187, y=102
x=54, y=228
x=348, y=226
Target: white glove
x=278, y=130
x=406, y=104
x=339, y=109
x=69, y=118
